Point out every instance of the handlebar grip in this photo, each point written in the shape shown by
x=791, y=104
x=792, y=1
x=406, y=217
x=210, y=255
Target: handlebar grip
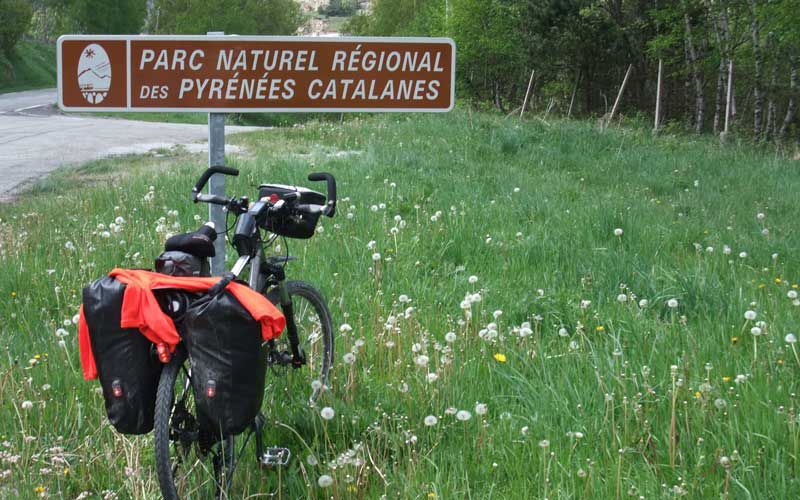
x=330, y=209
x=217, y=169
x=211, y=198
x=310, y=209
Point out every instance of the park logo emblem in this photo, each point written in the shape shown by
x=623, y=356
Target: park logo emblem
x=94, y=73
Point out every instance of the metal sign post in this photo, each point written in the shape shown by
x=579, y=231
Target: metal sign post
x=216, y=185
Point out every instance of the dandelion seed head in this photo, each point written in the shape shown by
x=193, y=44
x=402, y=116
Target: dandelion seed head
x=325, y=481
x=750, y=315
x=463, y=415
x=618, y=232
x=431, y=420
x=327, y=413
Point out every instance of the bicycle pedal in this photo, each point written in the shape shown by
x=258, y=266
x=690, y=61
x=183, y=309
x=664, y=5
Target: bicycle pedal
x=275, y=456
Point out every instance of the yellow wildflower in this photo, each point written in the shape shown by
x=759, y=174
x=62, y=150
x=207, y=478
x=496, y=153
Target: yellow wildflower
x=726, y=379
x=37, y=356
x=778, y=281
x=734, y=340
x=600, y=328
x=762, y=285
x=697, y=394
x=500, y=358
x=39, y=489
x=13, y=294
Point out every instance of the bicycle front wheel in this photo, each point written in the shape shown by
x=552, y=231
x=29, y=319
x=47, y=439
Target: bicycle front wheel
x=190, y=462
x=304, y=385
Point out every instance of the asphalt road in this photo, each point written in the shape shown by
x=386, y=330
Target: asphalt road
x=36, y=139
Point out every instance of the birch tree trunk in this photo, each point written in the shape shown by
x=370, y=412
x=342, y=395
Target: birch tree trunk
x=758, y=96
x=687, y=92
x=791, y=108
x=769, y=131
x=719, y=19
x=699, y=97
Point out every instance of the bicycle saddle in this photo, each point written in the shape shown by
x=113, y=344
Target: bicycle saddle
x=199, y=243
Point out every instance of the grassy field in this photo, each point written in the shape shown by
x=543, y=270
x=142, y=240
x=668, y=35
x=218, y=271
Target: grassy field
x=33, y=66
x=252, y=119
x=596, y=284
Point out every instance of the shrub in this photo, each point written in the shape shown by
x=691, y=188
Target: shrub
x=15, y=17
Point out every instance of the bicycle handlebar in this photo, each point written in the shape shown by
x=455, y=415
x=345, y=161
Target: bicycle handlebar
x=330, y=207
x=201, y=182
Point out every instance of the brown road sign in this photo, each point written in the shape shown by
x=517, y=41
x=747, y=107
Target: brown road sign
x=255, y=73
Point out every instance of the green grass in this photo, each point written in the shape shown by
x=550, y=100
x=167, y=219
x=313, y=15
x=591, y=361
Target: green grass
x=32, y=66
x=657, y=394
x=250, y=119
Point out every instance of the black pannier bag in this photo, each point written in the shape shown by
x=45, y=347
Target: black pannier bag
x=127, y=365
x=294, y=225
x=227, y=363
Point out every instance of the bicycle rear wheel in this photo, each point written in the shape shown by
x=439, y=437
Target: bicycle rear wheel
x=304, y=385
x=190, y=462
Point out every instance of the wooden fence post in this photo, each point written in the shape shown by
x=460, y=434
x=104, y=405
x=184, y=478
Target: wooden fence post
x=527, y=93
x=729, y=103
x=619, y=94
x=658, y=97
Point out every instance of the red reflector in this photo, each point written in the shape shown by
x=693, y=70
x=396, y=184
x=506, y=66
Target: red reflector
x=274, y=198
x=211, y=389
x=163, y=353
x=116, y=389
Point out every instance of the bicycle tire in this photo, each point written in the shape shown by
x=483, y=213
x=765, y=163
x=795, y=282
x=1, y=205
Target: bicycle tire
x=304, y=290
x=163, y=440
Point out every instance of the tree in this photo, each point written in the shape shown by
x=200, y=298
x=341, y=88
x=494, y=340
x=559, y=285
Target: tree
x=104, y=17
x=340, y=8
x=15, y=17
x=242, y=17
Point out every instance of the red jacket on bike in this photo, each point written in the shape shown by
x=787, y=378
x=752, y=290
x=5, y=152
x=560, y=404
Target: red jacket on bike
x=140, y=310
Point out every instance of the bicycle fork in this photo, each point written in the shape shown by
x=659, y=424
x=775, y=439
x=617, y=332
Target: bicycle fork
x=298, y=357
x=279, y=276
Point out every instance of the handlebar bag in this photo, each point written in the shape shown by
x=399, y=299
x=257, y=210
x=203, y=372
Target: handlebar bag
x=227, y=363
x=127, y=365
x=300, y=226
